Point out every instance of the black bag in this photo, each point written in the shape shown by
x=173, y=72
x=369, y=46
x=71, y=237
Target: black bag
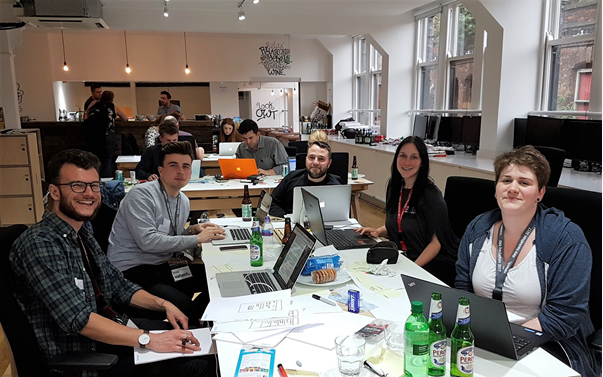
x=348, y=133
x=381, y=251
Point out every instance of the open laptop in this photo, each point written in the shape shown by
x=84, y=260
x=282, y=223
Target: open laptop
x=227, y=148
x=237, y=168
x=287, y=269
x=489, y=321
x=334, y=202
x=341, y=239
x=238, y=236
x=195, y=171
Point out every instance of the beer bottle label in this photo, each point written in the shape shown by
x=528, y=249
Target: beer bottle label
x=462, y=315
x=435, y=311
x=254, y=252
x=438, y=353
x=247, y=210
x=464, y=360
x=354, y=173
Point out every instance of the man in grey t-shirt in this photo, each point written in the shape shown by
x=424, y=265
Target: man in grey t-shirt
x=167, y=107
x=269, y=153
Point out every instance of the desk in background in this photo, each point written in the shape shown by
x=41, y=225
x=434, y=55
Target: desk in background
x=127, y=163
x=289, y=351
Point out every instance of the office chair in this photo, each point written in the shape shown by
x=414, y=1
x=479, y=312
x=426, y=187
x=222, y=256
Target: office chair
x=190, y=139
x=129, y=146
x=339, y=165
x=291, y=151
x=302, y=146
x=462, y=209
x=555, y=157
x=29, y=360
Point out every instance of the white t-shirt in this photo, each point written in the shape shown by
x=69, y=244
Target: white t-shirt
x=521, y=289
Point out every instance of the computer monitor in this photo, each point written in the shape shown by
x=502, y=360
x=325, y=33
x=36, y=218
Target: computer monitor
x=457, y=130
x=519, y=132
x=420, y=127
x=432, y=127
x=581, y=139
x=543, y=131
x=471, y=130
x=445, y=129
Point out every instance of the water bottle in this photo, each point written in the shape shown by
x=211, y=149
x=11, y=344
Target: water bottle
x=268, y=235
x=461, y=342
x=416, y=342
x=256, y=244
x=437, y=337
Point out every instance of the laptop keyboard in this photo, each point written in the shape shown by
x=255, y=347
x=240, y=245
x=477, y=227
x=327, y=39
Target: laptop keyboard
x=340, y=239
x=240, y=234
x=259, y=282
x=520, y=343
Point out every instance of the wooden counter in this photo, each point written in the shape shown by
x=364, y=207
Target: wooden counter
x=58, y=136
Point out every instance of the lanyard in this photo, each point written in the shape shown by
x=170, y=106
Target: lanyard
x=501, y=269
x=401, y=214
x=173, y=223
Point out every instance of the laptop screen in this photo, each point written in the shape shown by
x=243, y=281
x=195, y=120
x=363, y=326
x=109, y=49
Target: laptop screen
x=293, y=258
x=312, y=206
x=264, y=203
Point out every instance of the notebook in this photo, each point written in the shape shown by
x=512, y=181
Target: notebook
x=228, y=149
x=341, y=239
x=237, y=168
x=489, y=321
x=287, y=269
x=334, y=202
x=237, y=236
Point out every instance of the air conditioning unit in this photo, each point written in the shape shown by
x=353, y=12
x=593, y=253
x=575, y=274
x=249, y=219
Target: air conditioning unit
x=64, y=14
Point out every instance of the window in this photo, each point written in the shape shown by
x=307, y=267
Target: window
x=367, y=83
x=454, y=25
x=569, y=55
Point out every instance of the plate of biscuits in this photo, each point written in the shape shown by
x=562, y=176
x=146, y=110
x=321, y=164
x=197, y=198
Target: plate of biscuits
x=325, y=278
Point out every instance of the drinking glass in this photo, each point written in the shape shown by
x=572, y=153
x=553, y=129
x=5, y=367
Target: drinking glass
x=394, y=337
x=350, y=354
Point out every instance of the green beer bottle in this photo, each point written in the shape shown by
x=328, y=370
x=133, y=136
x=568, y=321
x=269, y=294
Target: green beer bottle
x=462, y=340
x=256, y=245
x=437, y=337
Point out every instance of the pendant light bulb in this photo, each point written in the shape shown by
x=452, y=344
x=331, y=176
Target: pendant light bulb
x=272, y=92
x=281, y=92
x=241, y=15
x=186, y=70
x=256, y=1
x=128, y=70
x=65, y=67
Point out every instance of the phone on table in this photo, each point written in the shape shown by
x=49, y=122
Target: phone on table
x=234, y=247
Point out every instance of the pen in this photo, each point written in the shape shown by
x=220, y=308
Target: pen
x=281, y=370
x=325, y=300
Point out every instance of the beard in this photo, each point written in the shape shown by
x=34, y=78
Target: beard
x=68, y=210
x=321, y=173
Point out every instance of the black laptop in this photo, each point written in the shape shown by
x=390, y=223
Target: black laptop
x=489, y=321
x=341, y=239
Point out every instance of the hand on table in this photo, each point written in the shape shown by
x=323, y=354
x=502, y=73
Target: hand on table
x=174, y=341
x=210, y=233
x=175, y=315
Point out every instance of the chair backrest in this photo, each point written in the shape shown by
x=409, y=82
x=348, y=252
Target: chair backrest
x=190, y=139
x=466, y=198
x=102, y=224
x=129, y=147
x=291, y=151
x=584, y=209
x=302, y=146
x=339, y=165
x=28, y=357
x=133, y=143
x=555, y=157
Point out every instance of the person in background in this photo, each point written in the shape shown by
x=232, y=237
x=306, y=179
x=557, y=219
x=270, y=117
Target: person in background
x=150, y=227
x=548, y=280
x=318, y=161
x=318, y=135
x=228, y=132
x=57, y=264
x=106, y=113
x=416, y=216
x=167, y=107
x=152, y=133
x=269, y=153
x=96, y=91
x=147, y=168
x=170, y=119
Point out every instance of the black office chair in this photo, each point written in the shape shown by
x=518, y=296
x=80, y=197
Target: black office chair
x=584, y=209
x=28, y=357
x=291, y=151
x=339, y=165
x=555, y=157
x=190, y=139
x=302, y=146
x=463, y=208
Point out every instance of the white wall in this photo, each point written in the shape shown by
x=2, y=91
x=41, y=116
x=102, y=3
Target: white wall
x=266, y=109
x=310, y=92
x=224, y=98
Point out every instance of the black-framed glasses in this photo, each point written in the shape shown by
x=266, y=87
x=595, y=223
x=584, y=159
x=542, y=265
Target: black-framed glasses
x=80, y=187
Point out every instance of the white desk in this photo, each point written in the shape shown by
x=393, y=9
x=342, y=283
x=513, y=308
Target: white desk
x=538, y=363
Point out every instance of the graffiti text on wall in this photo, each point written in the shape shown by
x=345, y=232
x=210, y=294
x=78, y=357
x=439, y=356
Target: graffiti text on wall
x=275, y=58
x=265, y=111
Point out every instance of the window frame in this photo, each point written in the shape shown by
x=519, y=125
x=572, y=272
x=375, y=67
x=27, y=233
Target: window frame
x=365, y=95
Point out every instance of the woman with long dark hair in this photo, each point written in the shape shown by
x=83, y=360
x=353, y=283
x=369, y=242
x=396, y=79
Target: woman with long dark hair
x=416, y=214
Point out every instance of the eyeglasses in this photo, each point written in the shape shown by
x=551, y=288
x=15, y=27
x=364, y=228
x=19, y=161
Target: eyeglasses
x=80, y=187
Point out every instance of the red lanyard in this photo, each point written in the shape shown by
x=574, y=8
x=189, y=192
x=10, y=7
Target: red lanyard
x=401, y=212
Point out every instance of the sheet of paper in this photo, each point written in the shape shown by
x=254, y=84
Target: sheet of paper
x=365, y=280
x=145, y=355
x=293, y=319
x=324, y=328
x=263, y=305
x=313, y=306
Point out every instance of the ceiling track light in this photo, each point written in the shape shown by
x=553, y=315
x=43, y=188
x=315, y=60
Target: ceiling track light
x=128, y=69
x=65, y=67
x=256, y=1
x=281, y=93
x=186, y=70
x=241, y=15
x=166, y=13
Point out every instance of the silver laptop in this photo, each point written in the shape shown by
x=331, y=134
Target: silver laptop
x=228, y=149
x=334, y=202
x=238, y=236
x=287, y=269
x=489, y=322
x=195, y=171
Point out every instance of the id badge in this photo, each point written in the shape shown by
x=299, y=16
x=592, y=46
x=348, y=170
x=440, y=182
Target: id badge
x=181, y=273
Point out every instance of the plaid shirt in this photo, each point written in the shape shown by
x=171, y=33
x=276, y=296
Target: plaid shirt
x=47, y=262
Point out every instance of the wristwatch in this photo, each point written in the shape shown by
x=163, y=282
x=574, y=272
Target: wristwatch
x=144, y=339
